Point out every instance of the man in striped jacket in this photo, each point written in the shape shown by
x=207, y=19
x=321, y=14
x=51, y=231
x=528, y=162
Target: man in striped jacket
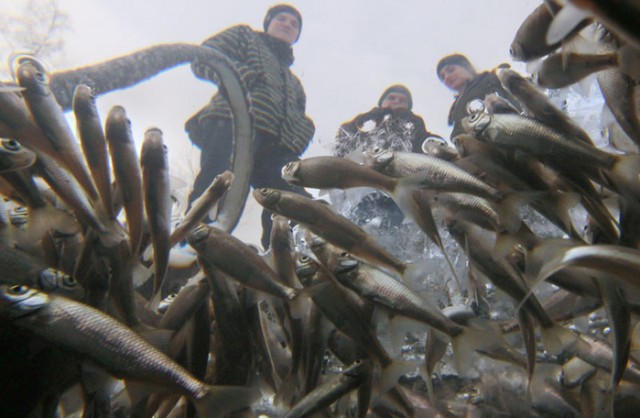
x=282, y=129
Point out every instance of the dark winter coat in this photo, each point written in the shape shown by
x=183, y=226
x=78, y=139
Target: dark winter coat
x=399, y=130
x=479, y=87
x=278, y=100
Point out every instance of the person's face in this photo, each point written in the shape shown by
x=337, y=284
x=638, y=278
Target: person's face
x=284, y=26
x=395, y=101
x=455, y=76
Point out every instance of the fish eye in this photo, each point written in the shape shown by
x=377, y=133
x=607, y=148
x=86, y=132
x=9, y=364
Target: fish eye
x=41, y=76
x=304, y=258
x=475, y=106
x=377, y=150
x=19, y=290
x=11, y=144
x=474, y=117
x=200, y=233
x=69, y=281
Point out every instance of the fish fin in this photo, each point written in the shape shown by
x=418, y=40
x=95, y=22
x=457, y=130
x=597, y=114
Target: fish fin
x=617, y=309
x=509, y=208
x=220, y=400
x=564, y=22
x=527, y=330
x=480, y=335
x=629, y=61
x=557, y=339
x=289, y=390
x=141, y=274
x=390, y=374
x=157, y=337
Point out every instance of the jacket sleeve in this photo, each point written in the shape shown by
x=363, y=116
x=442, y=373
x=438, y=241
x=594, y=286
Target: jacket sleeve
x=232, y=42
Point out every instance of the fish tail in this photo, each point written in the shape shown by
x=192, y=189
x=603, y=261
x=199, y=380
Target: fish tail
x=629, y=61
x=557, y=339
x=218, y=401
x=389, y=375
x=480, y=336
x=509, y=209
x=624, y=175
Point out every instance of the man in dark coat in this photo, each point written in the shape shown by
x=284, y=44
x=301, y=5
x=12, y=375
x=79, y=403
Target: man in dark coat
x=390, y=125
x=282, y=129
x=459, y=75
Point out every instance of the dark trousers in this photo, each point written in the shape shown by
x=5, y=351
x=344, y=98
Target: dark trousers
x=270, y=156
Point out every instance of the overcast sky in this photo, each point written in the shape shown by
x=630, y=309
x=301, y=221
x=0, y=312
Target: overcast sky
x=348, y=53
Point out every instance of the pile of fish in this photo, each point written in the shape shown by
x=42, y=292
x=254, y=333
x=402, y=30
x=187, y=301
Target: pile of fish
x=107, y=309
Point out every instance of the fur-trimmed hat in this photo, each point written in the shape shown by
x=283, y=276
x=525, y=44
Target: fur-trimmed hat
x=396, y=88
x=282, y=8
x=455, y=59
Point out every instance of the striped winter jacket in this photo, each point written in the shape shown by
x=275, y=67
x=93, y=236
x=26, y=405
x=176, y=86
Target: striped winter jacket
x=278, y=100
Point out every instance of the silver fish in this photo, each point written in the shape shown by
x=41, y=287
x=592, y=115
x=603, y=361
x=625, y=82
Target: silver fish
x=111, y=345
x=236, y=259
x=322, y=221
x=202, y=205
x=94, y=143
x=13, y=156
x=124, y=160
x=154, y=161
x=48, y=114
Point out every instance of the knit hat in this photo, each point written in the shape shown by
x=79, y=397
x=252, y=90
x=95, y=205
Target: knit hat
x=282, y=8
x=455, y=59
x=396, y=88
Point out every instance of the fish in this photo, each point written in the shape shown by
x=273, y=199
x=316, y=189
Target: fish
x=189, y=298
x=323, y=396
x=480, y=246
x=68, y=189
x=564, y=69
x=111, y=345
x=617, y=15
x=13, y=156
x=538, y=104
x=621, y=262
x=502, y=216
x=201, y=206
x=424, y=171
x=618, y=312
x=393, y=294
x=321, y=220
x=618, y=91
x=48, y=114
x=530, y=40
x=19, y=267
x=439, y=148
x=232, y=346
x=536, y=138
x=333, y=172
x=94, y=143
x=336, y=306
x=154, y=161
x=124, y=160
x=236, y=259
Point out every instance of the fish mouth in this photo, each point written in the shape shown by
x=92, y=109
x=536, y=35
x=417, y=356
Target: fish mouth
x=51, y=279
x=266, y=196
x=304, y=266
x=198, y=235
x=20, y=300
x=346, y=265
x=289, y=172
